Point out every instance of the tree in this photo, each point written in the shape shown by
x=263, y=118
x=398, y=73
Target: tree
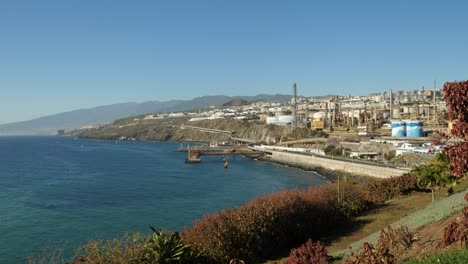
x=435, y=174
x=456, y=98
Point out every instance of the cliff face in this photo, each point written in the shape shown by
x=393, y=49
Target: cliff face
x=170, y=130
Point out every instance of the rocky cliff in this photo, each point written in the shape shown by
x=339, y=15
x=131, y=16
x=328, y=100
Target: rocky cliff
x=171, y=129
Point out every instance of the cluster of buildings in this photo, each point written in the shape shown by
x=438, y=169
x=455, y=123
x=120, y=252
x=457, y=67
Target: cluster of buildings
x=404, y=113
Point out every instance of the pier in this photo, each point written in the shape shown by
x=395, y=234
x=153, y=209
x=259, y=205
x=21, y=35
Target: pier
x=194, y=153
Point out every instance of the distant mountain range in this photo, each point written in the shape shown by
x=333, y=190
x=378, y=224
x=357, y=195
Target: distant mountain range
x=103, y=114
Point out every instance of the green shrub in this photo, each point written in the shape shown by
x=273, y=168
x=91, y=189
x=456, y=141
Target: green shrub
x=166, y=248
x=332, y=150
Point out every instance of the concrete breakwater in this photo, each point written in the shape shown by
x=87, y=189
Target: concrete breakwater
x=313, y=161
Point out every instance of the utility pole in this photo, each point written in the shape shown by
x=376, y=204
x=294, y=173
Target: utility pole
x=434, y=100
x=391, y=103
x=295, y=104
x=325, y=119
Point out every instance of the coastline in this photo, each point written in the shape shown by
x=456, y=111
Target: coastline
x=331, y=175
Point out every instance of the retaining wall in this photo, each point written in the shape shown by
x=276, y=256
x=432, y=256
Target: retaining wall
x=329, y=163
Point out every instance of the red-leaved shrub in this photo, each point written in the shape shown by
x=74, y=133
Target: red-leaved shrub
x=457, y=231
x=378, y=191
x=456, y=98
x=310, y=252
x=392, y=247
x=272, y=223
x=262, y=227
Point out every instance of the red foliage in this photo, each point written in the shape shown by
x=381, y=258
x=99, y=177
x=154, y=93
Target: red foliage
x=310, y=252
x=269, y=224
x=457, y=231
x=391, y=248
x=456, y=98
x=368, y=256
x=266, y=225
x=378, y=191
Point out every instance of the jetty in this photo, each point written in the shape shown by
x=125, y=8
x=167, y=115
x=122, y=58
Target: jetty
x=194, y=153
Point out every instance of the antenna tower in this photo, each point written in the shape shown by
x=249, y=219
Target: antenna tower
x=295, y=104
x=434, y=100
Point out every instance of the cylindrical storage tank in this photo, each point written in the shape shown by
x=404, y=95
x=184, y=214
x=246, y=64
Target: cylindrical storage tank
x=271, y=120
x=319, y=115
x=414, y=129
x=398, y=129
x=286, y=119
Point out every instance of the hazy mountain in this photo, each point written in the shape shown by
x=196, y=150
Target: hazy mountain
x=103, y=114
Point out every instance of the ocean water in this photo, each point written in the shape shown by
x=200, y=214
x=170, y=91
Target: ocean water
x=59, y=193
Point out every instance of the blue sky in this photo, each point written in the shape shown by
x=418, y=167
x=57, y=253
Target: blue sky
x=60, y=55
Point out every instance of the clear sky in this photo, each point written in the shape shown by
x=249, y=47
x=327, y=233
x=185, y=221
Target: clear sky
x=63, y=55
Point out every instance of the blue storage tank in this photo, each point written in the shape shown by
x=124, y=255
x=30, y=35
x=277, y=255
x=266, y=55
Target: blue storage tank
x=414, y=129
x=398, y=129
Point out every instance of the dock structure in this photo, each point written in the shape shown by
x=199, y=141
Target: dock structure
x=197, y=152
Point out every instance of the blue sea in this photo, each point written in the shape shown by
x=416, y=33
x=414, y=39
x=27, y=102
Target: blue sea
x=59, y=192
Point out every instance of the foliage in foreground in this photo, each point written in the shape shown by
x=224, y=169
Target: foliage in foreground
x=266, y=225
x=159, y=248
x=269, y=224
x=310, y=252
x=458, y=257
x=457, y=231
x=456, y=98
x=391, y=248
x=257, y=230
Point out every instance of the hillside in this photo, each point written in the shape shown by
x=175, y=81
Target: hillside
x=235, y=102
x=169, y=130
x=104, y=114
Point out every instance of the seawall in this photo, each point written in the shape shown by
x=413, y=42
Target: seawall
x=301, y=160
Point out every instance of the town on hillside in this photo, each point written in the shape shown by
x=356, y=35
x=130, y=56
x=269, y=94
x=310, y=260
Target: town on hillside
x=405, y=119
